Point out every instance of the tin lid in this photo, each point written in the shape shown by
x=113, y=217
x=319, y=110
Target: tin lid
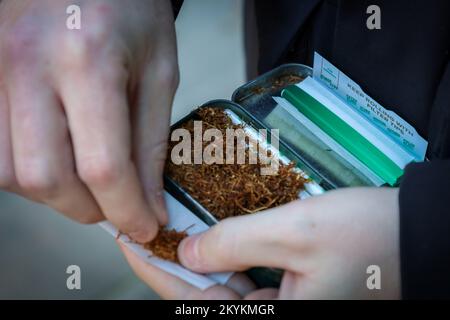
x=256, y=97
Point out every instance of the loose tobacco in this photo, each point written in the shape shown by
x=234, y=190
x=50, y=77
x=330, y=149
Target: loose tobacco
x=227, y=190
x=166, y=243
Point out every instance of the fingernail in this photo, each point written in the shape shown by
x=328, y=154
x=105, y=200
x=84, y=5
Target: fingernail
x=138, y=236
x=143, y=236
x=188, y=251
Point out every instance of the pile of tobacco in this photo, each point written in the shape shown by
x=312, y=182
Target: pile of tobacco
x=165, y=244
x=227, y=190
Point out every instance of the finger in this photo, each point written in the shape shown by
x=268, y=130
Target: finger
x=43, y=158
x=300, y=287
x=263, y=294
x=151, y=120
x=7, y=176
x=274, y=238
x=241, y=284
x=169, y=286
x=96, y=105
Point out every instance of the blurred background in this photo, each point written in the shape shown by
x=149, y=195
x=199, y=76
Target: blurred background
x=37, y=245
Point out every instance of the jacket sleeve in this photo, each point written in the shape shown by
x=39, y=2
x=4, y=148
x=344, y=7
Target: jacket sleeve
x=425, y=230
x=425, y=209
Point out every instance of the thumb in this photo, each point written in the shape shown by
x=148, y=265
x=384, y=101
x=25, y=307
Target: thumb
x=272, y=238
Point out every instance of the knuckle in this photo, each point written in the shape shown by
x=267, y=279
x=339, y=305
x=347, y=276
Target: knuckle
x=101, y=172
x=85, y=46
x=99, y=26
x=224, y=245
x=20, y=44
x=115, y=76
x=38, y=183
x=168, y=74
x=81, y=53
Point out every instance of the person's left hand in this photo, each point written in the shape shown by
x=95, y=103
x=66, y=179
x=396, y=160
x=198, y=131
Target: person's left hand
x=325, y=245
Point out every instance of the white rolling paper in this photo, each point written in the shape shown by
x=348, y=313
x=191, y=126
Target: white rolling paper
x=180, y=219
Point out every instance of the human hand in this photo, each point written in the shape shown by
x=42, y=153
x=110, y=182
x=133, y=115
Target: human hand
x=324, y=244
x=84, y=114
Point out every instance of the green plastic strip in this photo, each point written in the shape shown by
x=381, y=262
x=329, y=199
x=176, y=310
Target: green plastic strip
x=344, y=134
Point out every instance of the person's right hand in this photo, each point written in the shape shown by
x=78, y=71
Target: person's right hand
x=84, y=114
x=325, y=245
